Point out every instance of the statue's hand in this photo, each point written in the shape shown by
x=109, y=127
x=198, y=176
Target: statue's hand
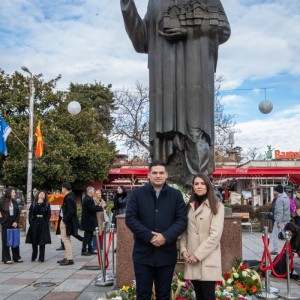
x=173, y=34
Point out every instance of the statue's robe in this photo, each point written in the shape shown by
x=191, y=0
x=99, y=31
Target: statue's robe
x=181, y=79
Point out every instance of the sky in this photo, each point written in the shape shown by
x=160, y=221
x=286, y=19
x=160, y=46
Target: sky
x=85, y=41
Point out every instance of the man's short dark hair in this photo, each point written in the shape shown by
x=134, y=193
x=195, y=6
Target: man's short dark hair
x=67, y=186
x=156, y=163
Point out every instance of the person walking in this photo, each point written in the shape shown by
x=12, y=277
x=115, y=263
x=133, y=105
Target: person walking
x=89, y=221
x=120, y=202
x=100, y=214
x=39, y=232
x=67, y=223
x=282, y=215
x=156, y=215
x=200, y=243
x=297, y=202
x=9, y=218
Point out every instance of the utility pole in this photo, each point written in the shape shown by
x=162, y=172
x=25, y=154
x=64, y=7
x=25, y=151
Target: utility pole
x=30, y=144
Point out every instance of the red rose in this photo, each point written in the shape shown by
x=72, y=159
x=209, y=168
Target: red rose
x=219, y=283
x=226, y=276
x=243, y=267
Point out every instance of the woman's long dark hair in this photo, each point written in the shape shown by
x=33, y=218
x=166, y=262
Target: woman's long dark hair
x=7, y=198
x=36, y=198
x=211, y=195
x=124, y=191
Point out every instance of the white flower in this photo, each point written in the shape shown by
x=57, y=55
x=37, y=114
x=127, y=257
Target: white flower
x=236, y=275
x=254, y=277
x=229, y=289
x=244, y=273
x=229, y=281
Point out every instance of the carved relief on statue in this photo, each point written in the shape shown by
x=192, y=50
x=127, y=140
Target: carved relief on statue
x=193, y=13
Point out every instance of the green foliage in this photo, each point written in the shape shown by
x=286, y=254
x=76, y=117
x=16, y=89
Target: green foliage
x=243, y=208
x=262, y=208
x=76, y=147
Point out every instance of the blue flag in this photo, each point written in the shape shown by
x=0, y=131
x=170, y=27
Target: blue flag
x=4, y=132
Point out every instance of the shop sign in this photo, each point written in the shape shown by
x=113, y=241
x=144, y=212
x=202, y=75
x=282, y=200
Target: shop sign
x=286, y=155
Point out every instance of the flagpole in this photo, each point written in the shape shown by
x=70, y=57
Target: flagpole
x=30, y=144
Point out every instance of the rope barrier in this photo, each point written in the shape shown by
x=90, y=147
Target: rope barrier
x=100, y=247
x=276, y=261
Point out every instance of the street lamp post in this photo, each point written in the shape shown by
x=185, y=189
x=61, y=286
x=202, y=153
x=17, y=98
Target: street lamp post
x=30, y=143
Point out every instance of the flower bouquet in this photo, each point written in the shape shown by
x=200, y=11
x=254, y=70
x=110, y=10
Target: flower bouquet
x=239, y=283
x=182, y=289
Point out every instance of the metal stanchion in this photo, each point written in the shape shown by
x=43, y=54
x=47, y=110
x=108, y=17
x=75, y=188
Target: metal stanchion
x=104, y=280
x=287, y=253
x=112, y=230
x=268, y=292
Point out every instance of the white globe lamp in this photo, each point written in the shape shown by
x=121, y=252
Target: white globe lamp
x=265, y=106
x=74, y=108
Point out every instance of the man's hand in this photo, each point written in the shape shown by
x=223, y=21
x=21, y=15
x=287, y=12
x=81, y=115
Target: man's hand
x=157, y=239
x=14, y=224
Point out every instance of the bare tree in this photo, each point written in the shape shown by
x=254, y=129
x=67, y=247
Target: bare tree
x=224, y=123
x=254, y=153
x=132, y=120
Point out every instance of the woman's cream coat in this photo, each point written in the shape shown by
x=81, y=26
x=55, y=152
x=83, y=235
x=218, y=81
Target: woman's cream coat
x=202, y=238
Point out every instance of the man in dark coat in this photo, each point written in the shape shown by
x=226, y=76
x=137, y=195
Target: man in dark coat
x=89, y=220
x=156, y=215
x=67, y=222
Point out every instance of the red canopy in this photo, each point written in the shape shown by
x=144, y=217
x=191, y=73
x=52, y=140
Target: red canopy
x=128, y=171
x=292, y=173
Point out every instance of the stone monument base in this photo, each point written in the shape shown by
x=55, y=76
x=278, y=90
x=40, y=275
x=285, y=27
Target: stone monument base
x=231, y=249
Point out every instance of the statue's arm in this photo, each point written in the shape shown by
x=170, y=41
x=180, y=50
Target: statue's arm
x=135, y=26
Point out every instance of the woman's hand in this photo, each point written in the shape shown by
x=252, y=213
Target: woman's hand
x=185, y=255
x=193, y=259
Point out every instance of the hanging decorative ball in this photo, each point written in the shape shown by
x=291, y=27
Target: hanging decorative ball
x=74, y=108
x=265, y=106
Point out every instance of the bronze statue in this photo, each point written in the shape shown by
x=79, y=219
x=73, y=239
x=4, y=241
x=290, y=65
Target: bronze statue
x=181, y=38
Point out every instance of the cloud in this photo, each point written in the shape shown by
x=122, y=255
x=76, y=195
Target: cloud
x=85, y=41
x=281, y=131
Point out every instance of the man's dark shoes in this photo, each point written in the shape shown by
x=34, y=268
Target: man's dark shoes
x=94, y=252
x=86, y=254
x=67, y=262
x=60, y=248
x=62, y=260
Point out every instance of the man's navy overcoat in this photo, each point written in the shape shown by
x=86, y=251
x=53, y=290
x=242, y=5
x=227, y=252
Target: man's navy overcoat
x=146, y=213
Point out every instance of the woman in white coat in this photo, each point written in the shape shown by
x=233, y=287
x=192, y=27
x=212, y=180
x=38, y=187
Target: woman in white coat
x=200, y=243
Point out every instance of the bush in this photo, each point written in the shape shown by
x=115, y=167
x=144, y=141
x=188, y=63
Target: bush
x=243, y=208
x=262, y=208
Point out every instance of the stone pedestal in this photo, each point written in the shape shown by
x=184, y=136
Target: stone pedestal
x=231, y=248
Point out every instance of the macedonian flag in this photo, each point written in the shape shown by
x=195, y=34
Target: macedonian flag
x=39, y=141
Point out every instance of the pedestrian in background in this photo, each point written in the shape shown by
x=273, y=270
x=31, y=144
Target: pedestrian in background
x=282, y=215
x=89, y=221
x=297, y=202
x=100, y=214
x=200, y=243
x=67, y=223
x=39, y=232
x=120, y=203
x=156, y=215
x=9, y=218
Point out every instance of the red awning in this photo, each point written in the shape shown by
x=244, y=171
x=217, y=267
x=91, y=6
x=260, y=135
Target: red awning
x=128, y=171
x=291, y=173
